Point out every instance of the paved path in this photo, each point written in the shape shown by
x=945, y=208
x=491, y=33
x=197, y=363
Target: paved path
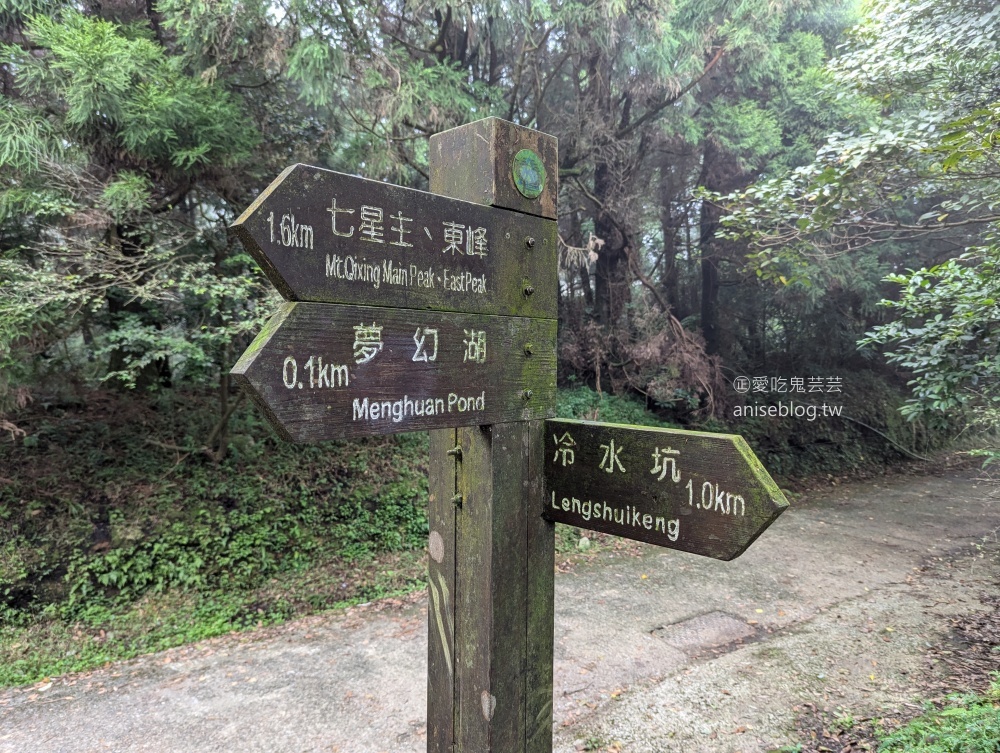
x=655, y=650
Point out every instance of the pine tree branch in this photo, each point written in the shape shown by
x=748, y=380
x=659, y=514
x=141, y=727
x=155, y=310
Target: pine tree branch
x=668, y=101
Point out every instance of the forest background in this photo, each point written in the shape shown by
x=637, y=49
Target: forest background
x=799, y=192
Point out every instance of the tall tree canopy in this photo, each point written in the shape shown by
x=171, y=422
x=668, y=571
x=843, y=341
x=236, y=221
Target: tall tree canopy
x=923, y=174
x=134, y=133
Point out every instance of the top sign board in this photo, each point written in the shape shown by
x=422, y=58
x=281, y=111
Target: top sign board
x=328, y=237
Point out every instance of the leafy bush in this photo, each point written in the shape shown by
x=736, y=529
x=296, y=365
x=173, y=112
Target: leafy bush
x=97, y=515
x=583, y=402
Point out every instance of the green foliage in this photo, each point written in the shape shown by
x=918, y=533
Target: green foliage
x=126, y=196
x=748, y=130
x=172, y=528
x=114, y=84
x=51, y=646
x=136, y=137
x=947, y=332
x=211, y=547
x=918, y=164
x=209, y=550
x=969, y=724
x=922, y=168
x=25, y=138
x=110, y=227
x=583, y=402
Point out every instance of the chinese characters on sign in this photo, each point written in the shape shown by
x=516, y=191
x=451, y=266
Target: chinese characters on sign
x=465, y=240
x=367, y=342
x=664, y=459
x=695, y=492
x=420, y=338
x=564, y=449
x=457, y=238
x=610, y=458
x=660, y=460
x=475, y=346
x=327, y=237
x=328, y=372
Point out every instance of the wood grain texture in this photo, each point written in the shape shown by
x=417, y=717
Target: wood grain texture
x=695, y=492
x=303, y=370
x=491, y=582
x=474, y=611
x=398, y=247
x=441, y=589
x=540, y=595
x=504, y=551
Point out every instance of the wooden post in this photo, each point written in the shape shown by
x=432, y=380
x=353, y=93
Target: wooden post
x=491, y=583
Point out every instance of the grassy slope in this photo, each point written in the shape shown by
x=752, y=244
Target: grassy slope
x=113, y=543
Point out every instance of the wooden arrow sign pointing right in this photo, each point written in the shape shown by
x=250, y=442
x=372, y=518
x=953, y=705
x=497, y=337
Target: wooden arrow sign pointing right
x=697, y=492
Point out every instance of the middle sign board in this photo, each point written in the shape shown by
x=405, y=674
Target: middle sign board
x=322, y=371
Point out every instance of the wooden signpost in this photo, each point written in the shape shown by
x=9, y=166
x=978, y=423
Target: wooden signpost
x=490, y=572
x=410, y=310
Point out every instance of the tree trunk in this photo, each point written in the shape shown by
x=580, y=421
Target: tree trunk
x=719, y=173
x=611, y=292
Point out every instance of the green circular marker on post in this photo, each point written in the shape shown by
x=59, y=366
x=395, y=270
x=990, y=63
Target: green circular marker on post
x=529, y=173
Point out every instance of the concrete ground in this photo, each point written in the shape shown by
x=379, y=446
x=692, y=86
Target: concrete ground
x=655, y=650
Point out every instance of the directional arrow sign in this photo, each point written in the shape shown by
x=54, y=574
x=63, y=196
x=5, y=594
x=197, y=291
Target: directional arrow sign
x=334, y=238
x=322, y=371
x=693, y=491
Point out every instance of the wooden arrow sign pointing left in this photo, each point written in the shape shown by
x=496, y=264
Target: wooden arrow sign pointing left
x=324, y=371
x=697, y=492
x=327, y=237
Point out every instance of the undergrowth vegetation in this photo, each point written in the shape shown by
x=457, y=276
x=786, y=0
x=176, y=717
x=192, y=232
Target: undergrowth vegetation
x=969, y=724
x=116, y=543
x=121, y=535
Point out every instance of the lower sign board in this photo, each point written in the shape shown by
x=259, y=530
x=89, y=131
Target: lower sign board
x=692, y=491
x=325, y=371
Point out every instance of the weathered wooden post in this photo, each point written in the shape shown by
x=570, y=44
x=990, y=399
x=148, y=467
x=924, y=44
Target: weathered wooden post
x=489, y=683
